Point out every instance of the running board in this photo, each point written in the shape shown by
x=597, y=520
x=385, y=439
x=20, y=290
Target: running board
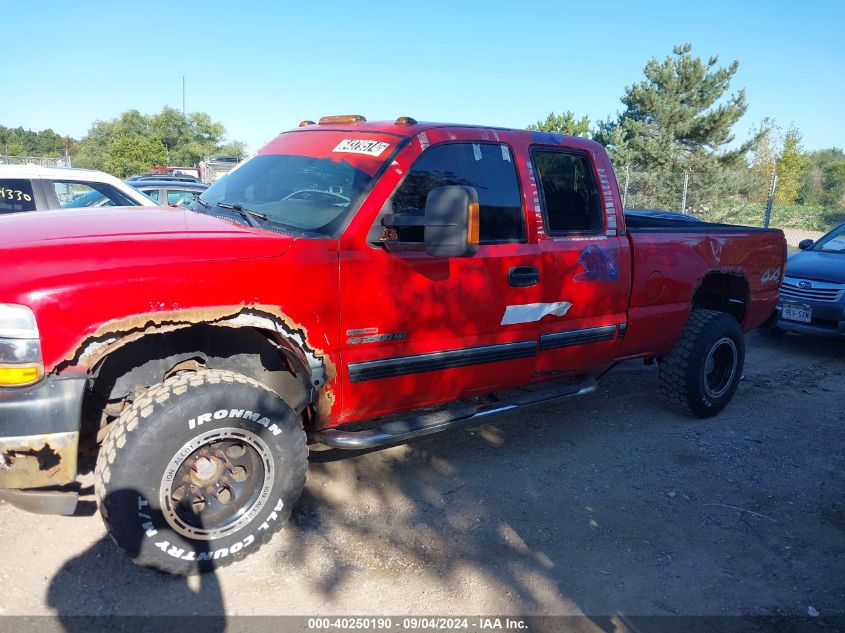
x=404, y=429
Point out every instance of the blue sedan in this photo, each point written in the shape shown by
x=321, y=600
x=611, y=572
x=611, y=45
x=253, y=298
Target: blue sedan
x=812, y=294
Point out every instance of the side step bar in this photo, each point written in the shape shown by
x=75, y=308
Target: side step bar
x=408, y=428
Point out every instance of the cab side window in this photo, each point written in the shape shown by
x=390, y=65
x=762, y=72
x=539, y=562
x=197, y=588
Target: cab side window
x=570, y=195
x=487, y=167
x=151, y=193
x=75, y=194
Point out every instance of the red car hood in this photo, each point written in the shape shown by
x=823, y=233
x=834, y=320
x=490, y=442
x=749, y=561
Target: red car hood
x=77, y=246
x=138, y=223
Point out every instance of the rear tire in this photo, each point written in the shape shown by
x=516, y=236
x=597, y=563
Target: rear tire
x=700, y=374
x=200, y=471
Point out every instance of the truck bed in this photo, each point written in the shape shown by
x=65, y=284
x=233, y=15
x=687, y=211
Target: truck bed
x=671, y=256
x=639, y=220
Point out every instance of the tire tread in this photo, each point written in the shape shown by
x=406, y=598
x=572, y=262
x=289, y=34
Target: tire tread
x=678, y=386
x=131, y=418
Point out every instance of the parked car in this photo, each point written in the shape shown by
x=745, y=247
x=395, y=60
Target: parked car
x=812, y=294
x=317, y=196
x=472, y=271
x=35, y=188
x=162, y=177
x=168, y=192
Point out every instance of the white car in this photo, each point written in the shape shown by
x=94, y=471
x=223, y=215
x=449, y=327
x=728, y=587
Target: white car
x=35, y=188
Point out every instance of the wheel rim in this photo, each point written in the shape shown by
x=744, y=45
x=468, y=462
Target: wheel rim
x=216, y=483
x=720, y=367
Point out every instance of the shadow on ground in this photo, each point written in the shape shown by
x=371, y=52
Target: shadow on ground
x=608, y=505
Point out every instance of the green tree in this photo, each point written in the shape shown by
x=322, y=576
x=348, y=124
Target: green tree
x=565, y=123
x=46, y=143
x=188, y=139
x=792, y=164
x=128, y=154
x=824, y=179
x=93, y=151
x=232, y=148
x=678, y=117
x=764, y=154
x=136, y=142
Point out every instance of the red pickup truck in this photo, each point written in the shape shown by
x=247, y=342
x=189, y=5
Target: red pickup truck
x=406, y=277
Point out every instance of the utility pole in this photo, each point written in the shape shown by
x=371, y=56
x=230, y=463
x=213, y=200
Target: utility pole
x=183, y=96
x=686, y=186
x=771, y=199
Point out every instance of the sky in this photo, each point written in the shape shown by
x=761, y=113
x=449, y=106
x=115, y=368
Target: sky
x=261, y=67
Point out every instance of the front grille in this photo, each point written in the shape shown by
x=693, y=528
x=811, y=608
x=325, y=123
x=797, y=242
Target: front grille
x=818, y=290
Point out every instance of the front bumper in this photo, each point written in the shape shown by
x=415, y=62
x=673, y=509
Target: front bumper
x=32, y=461
x=828, y=320
x=39, y=433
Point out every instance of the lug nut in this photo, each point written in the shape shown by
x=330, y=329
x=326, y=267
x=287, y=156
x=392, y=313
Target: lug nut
x=235, y=451
x=238, y=473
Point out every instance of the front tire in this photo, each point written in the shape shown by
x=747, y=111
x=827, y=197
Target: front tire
x=701, y=372
x=200, y=471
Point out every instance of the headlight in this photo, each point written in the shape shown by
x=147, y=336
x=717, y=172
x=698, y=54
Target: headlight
x=20, y=347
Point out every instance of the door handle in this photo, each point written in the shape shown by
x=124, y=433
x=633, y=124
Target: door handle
x=523, y=276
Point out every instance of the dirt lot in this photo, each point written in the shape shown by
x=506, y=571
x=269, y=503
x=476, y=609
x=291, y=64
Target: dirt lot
x=611, y=504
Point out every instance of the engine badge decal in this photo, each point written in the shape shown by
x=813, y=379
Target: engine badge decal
x=371, y=335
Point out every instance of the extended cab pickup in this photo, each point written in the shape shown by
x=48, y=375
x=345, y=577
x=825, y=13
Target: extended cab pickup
x=402, y=276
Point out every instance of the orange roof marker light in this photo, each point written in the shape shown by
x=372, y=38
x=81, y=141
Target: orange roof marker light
x=406, y=120
x=305, y=122
x=342, y=118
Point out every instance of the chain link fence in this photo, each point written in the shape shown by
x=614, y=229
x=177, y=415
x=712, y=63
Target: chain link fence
x=41, y=161
x=747, y=197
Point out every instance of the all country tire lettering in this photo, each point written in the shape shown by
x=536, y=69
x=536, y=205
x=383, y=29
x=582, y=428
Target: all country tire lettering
x=223, y=552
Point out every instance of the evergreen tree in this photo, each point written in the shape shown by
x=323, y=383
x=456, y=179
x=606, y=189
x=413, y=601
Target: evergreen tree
x=565, y=123
x=678, y=117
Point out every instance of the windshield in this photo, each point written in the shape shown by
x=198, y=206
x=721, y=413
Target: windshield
x=833, y=242
x=309, y=181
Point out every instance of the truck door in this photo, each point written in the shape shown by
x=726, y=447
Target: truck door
x=586, y=262
x=417, y=330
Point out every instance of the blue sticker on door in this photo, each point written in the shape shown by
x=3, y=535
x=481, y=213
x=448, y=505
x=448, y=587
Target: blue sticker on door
x=600, y=263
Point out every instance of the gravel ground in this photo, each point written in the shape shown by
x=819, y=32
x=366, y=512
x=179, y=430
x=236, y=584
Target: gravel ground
x=608, y=505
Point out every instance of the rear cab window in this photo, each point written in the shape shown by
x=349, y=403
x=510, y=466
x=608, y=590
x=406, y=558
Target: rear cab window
x=486, y=167
x=569, y=191
x=16, y=195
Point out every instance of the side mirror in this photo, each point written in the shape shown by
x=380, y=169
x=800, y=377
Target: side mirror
x=450, y=224
x=805, y=244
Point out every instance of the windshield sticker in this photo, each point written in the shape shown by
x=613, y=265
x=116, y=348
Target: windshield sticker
x=360, y=146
